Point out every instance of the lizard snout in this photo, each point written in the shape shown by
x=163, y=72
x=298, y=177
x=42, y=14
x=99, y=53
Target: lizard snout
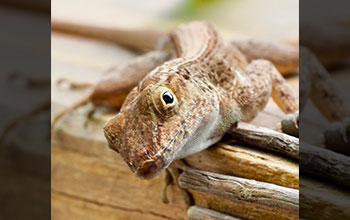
x=112, y=130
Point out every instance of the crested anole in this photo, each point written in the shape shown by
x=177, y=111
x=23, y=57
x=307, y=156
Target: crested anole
x=189, y=102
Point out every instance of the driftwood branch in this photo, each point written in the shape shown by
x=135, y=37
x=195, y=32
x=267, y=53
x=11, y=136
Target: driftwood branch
x=241, y=189
x=267, y=139
x=325, y=163
x=290, y=124
x=322, y=200
x=199, y=213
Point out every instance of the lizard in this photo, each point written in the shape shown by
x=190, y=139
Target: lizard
x=189, y=102
x=118, y=81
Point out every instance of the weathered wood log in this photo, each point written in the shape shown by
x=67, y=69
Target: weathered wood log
x=102, y=184
x=199, y=213
x=240, y=188
x=266, y=138
x=337, y=137
x=248, y=163
x=326, y=164
x=84, y=169
x=290, y=124
x=240, y=208
x=322, y=200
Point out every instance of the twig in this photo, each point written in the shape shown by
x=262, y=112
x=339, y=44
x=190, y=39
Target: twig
x=267, y=139
x=241, y=189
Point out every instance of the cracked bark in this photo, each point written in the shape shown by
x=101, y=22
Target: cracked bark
x=241, y=189
x=267, y=139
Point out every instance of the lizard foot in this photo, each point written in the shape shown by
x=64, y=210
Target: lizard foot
x=167, y=181
x=89, y=115
x=172, y=175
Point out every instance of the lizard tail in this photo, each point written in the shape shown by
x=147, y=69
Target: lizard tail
x=68, y=110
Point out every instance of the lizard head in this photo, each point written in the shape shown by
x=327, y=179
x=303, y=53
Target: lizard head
x=161, y=120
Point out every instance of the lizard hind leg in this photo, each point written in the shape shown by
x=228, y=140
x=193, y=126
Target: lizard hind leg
x=262, y=81
x=282, y=93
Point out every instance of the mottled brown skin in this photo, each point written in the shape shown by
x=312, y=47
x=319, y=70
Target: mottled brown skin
x=213, y=88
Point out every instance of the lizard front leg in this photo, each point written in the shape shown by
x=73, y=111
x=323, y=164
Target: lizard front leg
x=172, y=175
x=260, y=81
x=283, y=55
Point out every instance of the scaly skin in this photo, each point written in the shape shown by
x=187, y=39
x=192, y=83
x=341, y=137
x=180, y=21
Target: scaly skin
x=212, y=88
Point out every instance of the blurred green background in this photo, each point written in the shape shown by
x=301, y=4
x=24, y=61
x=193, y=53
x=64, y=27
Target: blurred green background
x=269, y=19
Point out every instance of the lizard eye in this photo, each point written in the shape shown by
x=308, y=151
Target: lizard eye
x=164, y=101
x=168, y=97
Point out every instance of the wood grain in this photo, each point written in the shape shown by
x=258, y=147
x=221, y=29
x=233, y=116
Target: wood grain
x=87, y=178
x=239, y=208
x=199, y=213
x=326, y=164
x=248, y=163
x=322, y=200
x=239, y=188
x=266, y=138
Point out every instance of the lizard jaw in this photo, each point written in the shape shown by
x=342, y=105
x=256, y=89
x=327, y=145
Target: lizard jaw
x=150, y=168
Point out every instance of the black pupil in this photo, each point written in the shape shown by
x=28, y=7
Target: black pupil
x=168, y=97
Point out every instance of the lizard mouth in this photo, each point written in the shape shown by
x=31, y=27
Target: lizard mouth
x=152, y=167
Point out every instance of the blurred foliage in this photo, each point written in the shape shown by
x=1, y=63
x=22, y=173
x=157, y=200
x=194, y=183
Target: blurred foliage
x=194, y=9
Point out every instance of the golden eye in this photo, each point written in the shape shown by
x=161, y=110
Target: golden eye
x=167, y=97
